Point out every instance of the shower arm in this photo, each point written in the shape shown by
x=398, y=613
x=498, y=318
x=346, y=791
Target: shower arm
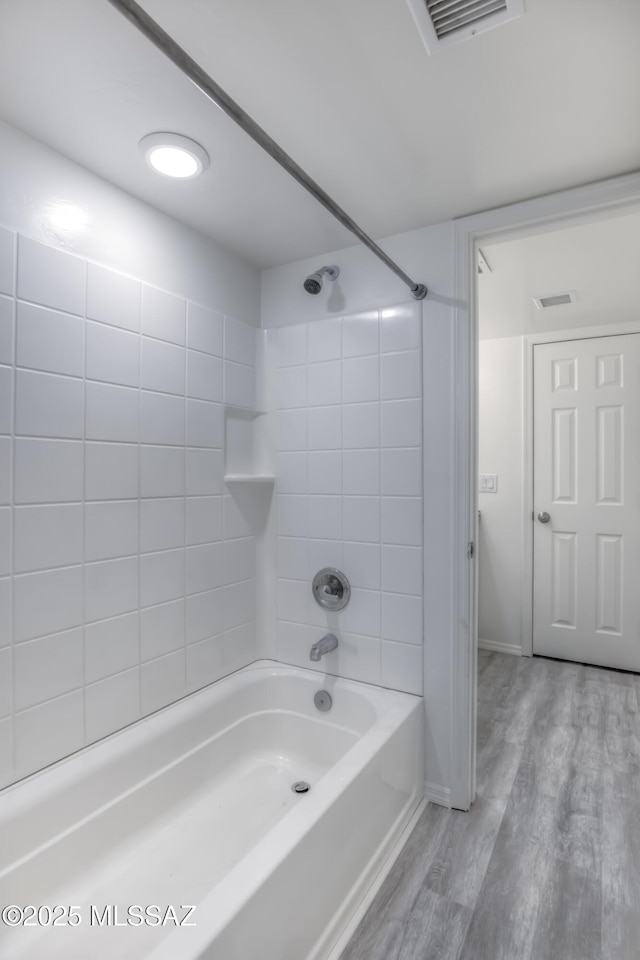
x=154, y=32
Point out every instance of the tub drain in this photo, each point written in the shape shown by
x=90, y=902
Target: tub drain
x=300, y=786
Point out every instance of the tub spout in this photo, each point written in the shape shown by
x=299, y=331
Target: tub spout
x=329, y=642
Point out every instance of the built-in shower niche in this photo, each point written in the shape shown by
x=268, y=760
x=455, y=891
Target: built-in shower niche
x=247, y=454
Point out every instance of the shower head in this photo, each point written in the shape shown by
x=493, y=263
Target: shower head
x=313, y=283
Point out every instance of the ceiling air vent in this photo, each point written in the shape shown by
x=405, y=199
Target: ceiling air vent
x=555, y=300
x=442, y=22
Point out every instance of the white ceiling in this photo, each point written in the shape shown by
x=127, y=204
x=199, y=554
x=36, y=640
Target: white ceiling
x=400, y=139
x=599, y=260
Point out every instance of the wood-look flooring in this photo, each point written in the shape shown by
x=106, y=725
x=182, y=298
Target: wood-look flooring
x=546, y=864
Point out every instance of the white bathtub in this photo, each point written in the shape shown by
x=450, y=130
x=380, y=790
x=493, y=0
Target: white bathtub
x=193, y=807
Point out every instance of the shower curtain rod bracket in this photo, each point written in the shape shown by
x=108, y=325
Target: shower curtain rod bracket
x=194, y=72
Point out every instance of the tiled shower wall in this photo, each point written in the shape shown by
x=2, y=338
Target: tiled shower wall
x=127, y=576
x=348, y=393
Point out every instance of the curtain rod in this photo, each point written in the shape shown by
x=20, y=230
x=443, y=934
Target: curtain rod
x=161, y=39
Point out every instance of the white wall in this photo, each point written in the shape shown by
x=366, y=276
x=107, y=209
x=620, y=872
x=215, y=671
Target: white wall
x=127, y=574
x=365, y=284
x=501, y=452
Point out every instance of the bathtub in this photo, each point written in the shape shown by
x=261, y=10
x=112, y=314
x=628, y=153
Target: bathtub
x=180, y=837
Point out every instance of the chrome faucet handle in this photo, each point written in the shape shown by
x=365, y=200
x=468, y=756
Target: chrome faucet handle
x=331, y=588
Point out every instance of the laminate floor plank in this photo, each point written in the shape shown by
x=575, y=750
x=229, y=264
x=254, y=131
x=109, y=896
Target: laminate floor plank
x=546, y=864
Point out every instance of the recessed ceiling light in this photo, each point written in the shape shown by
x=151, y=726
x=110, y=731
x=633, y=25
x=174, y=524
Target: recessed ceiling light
x=174, y=155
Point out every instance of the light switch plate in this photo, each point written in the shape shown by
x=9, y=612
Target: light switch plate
x=488, y=483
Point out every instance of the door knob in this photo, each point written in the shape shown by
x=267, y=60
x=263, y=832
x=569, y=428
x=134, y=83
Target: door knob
x=544, y=517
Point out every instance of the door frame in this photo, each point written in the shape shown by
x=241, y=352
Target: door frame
x=546, y=213
x=530, y=341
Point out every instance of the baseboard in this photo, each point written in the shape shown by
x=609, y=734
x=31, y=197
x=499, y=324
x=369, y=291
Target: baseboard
x=434, y=793
x=512, y=648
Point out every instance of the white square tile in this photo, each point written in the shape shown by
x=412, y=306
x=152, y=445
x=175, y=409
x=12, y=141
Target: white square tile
x=161, y=418
x=402, y=618
x=205, y=424
x=204, y=472
x=6, y=329
x=162, y=366
x=6, y=681
x=204, y=567
x=111, y=646
x=239, y=646
x=401, y=423
x=47, y=602
x=205, y=662
x=291, y=430
x=402, y=472
x=361, y=425
x=112, y=471
x=322, y=553
x=162, y=629
x=111, y=529
x=47, y=668
x=362, y=519
x=5, y=470
x=325, y=340
x=325, y=385
x=6, y=399
x=48, y=406
x=239, y=341
x=162, y=681
x=400, y=327
x=7, y=260
x=402, y=570
x=204, y=329
x=357, y=657
x=161, y=524
x=5, y=541
x=238, y=522
x=111, y=587
x=362, y=613
x=161, y=577
x=47, y=536
x=401, y=375
x=7, y=774
x=5, y=610
x=113, y=298
x=204, y=376
x=362, y=565
x=239, y=560
x=293, y=558
x=402, y=520
x=204, y=519
x=361, y=471
x=292, y=472
x=293, y=600
x=293, y=643
x=239, y=384
x=239, y=604
x=112, y=355
x=292, y=515
x=48, y=471
x=48, y=732
x=360, y=334
x=163, y=315
x=325, y=518
x=325, y=472
x=289, y=344
x=112, y=704
x=291, y=388
x=361, y=380
x=204, y=615
x=50, y=277
x=401, y=667
x=112, y=413
x=161, y=472
x=48, y=340
x=325, y=428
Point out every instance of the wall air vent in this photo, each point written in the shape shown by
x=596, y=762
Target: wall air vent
x=555, y=300
x=442, y=22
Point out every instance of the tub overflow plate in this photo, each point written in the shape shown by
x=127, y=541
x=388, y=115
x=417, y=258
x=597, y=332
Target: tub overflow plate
x=323, y=700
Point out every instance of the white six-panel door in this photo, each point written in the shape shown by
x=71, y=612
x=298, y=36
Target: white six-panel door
x=586, y=563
